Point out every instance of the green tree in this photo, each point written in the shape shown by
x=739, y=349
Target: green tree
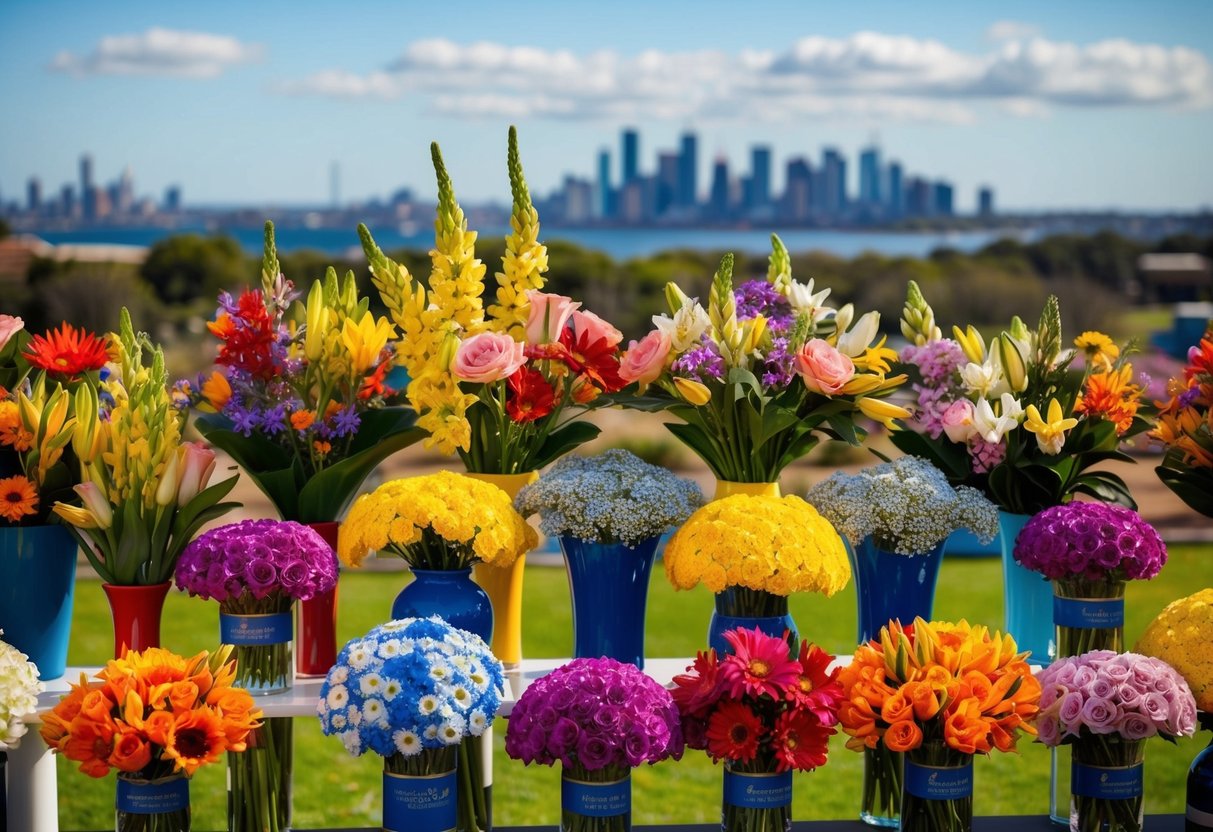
x=189, y=267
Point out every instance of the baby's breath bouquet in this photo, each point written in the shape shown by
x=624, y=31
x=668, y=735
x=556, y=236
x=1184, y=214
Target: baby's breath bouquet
x=612, y=498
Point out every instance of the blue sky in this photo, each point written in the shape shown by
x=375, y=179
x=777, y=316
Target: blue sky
x=1074, y=104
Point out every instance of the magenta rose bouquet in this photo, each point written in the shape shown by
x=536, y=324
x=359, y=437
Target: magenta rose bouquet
x=1106, y=705
x=1089, y=550
x=600, y=718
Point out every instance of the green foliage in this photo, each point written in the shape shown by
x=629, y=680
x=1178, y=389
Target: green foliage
x=189, y=267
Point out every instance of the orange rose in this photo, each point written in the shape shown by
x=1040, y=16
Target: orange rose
x=922, y=697
x=96, y=705
x=131, y=752
x=903, y=736
x=896, y=708
x=157, y=727
x=966, y=730
x=183, y=695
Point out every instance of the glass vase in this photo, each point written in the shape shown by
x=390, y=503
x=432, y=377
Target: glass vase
x=318, y=621
x=609, y=586
x=937, y=789
x=1027, y=596
x=37, y=585
x=1106, y=784
x=159, y=805
x=756, y=798
x=136, y=611
x=1199, y=813
x=880, y=803
x=739, y=606
x=419, y=792
x=595, y=801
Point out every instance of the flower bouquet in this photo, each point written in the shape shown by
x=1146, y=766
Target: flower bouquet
x=155, y=717
x=763, y=374
x=895, y=518
x=765, y=712
x=19, y=689
x=938, y=693
x=1185, y=426
x=600, y=718
x=147, y=492
x=609, y=512
x=1106, y=705
x=753, y=552
x=502, y=389
x=41, y=379
x=1088, y=551
x=1181, y=636
x=412, y=691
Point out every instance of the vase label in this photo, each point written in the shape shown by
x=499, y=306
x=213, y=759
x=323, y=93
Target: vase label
x=144, y=798
x=596, y=800
x=747, y=790
x=772, y=626
x=1112, y=783
x=419, y=804
x=938, y=783
x=240, y=630
x=1089, y=613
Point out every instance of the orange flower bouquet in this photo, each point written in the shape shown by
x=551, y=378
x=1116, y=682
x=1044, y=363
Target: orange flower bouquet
x=938, y=693
x=156, y=717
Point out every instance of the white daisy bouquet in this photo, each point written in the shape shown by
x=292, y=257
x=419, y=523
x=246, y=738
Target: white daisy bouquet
x=19, y=689
x=412, y=691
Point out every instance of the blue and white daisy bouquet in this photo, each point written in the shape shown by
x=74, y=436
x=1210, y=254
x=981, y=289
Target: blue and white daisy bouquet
x=614, y=497
x=411, y=691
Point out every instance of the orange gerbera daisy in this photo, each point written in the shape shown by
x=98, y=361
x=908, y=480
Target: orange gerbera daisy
x=1112, y=396
x=18, y=498
x=196, y=739
x=67, y=352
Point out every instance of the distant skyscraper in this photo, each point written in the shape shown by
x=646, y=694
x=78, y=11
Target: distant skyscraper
x=834, y=182
x=33, y=195
x=718, y=199
x=919, y=197
x=125, y=197
x=869, y=177
x=941, y=198
x=88, y=191
x=67, y=201
x=602, y=185
x=985, y=201
x=669, y=165
x=760, y=177
x=578, y=199
x=798, y=193
x=631, y=155
x=688, y=161
x=896, y=198
x=172, y=199
x=632, y=202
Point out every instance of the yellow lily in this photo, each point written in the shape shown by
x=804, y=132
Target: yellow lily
x=1050, y=433
x=365, y=340
x=971, y=343
x=693, y=391
x=81, y=518
x=319, y=319
x=882, y=411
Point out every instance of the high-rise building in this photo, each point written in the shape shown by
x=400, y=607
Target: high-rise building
x=688, y=161
x=88, y=191
x=834, y=182
x=632, y=202
x=759, y=193
x=602, y=194
x=125, y=197
x=919, y=197
x=869, y=177
x=798, y=192
x=941, y=198
x=985, y=201
x=669, y=165
x=631, y=155
x=172, y=199
x=578, y=199
x=895, y=198
x=718, y=199
x=33, y=195
x=67, y=201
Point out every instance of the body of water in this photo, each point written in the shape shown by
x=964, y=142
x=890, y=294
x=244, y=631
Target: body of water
x=619, y=243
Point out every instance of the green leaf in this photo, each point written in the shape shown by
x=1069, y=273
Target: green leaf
x=704, y=446
x=562, y=440
x=1190, y=486
x=326, y=495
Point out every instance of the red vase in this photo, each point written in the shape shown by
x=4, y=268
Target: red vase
x=316, y=647
x=136, y=611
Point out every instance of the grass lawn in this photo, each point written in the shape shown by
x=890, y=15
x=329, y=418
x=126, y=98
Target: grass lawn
x=333, y=789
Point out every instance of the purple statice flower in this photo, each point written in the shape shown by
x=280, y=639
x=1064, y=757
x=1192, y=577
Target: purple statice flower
x=779, y=365
x=1091, y=540
x=257, y=557
x=345, y=422
x=245, y=419
x=937, y=361
x=273, y=419
x=594, y=713
x=758, y=297
x=700, y=362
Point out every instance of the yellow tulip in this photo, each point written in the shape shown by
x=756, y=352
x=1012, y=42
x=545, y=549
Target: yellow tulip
x=365, y=340
x=693, y=392
x=318, y=323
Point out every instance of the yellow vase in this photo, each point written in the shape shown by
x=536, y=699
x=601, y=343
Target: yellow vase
x=725, y=488
x=504, y=584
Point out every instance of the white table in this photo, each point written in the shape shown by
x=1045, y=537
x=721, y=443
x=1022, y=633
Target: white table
x=33, y=793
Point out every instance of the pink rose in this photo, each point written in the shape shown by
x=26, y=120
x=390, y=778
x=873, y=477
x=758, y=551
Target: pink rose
x=1136, y=727
x=10, y=325
x=549, y=314
x=645, y=359
x=488, y=357
x=824, y=369
x=1099, y=715
x=589, y=324
x=957, y=421
x=1071, y=711
x=1048, y=731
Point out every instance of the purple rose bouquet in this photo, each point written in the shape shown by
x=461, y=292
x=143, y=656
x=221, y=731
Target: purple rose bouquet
x=1089, y=550
x=1106, y=705
x=600, y=718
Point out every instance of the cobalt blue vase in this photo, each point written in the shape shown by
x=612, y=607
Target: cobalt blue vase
x=739, y=606
x=37, y=585
x=609, y=585
x=450, y=594
x=1027, y=598
x=891, y=586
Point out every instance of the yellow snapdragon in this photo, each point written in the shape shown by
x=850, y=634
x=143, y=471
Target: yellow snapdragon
x=525, y=259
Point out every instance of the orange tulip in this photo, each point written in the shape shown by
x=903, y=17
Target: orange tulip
x=896, y=708
x=965, y=729
x=903, y=736
x=922, y=697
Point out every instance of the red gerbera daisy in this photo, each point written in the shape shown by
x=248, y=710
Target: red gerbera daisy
x=759, y=664
x=530, y=397
x=67, y=352
x=695, y=692
x=597, y=360
x=817, y=688
x=799, y=741
x=733, y=732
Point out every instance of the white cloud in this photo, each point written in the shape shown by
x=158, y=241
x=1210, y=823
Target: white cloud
x=1011, y=30
x=160, y=52
x=866, y=76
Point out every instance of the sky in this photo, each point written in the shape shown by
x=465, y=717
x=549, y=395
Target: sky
x=1056, y=105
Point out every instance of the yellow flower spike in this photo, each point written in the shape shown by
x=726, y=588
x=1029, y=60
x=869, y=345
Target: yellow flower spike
x=693, y=392
x=1050, y=433
x=525, y=258
x=882, y=411
x=365, y=340
x=971, y=343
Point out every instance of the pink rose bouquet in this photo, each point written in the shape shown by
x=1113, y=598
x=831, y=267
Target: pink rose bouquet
x=600, y=718
x=1106, y=705
x=763, y=373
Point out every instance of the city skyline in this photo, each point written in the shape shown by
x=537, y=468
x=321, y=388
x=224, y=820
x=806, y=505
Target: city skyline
x=1084, y=105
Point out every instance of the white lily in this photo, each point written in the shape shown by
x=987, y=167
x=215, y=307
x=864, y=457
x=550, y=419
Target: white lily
x=857, y=339
x=686, y=327
x=803, y=300
x=993, y=427
x=984, y=379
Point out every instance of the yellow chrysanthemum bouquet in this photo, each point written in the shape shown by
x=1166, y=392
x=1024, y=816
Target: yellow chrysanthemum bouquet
x=1182, y=636
x=754, y=551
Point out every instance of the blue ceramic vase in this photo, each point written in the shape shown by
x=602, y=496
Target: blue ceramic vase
x=892, y=586
x=739, y=606
x=1027, y=597
x=609, y=585
x=451, y=594
x=37, y=584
